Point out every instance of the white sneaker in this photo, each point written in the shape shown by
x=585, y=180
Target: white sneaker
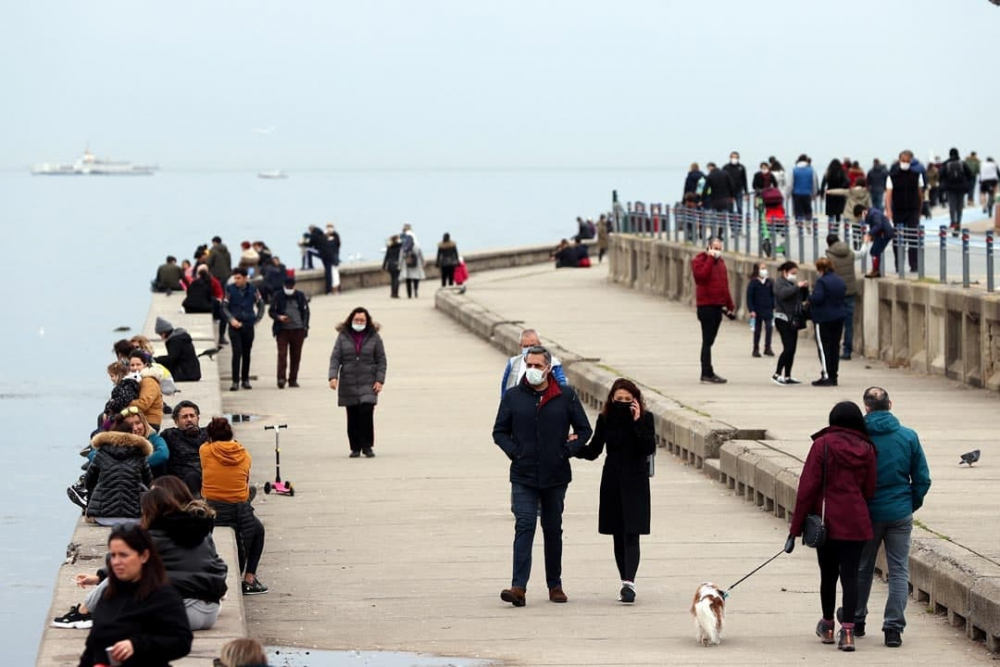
x=777, y=379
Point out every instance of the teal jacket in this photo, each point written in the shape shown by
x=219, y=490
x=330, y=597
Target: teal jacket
x=903, y=475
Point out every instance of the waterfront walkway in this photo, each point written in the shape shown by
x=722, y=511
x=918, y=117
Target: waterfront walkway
x=408, y=551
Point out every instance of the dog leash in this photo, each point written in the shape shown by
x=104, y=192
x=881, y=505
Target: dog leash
x=725, y=593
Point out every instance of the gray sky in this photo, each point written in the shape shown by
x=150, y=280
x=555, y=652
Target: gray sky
x=460, y=83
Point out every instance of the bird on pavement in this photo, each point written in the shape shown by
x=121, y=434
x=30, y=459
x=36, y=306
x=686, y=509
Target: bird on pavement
x=970, y=457
x=210, y=353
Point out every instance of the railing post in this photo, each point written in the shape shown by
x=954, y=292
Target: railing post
x=863, y=229
x=920, y=252
x=990, y=285
x=728, y=231
x=800, y=230
x=815, y=232
x=965, y=257
x=943, y=240
x=749, y=222
x=760, y=237
x=901, y=255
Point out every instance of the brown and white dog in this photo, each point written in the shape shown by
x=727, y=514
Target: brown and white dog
x=709, y=611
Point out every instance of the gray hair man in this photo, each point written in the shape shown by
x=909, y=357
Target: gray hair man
x=903, y=481
x=513, y=374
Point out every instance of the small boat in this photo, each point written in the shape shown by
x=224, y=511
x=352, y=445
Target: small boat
x=273, y=175
x=90, y=165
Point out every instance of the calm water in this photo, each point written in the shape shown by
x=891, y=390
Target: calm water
x=79, y=254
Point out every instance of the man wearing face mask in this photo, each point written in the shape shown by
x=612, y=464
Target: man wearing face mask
x=513, y=374
x=290, y=312
x=533, y=429
x=904, y=199
x=183, y=441
x=713, y=299
x=738, y=174
x=243, y=308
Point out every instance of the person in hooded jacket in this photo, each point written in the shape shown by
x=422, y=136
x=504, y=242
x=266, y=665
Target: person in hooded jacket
x=694, y=182
x=627, y=429
x=225, y=485
x=123, y=393
x=141, y=620
x=789, y=295
x=842, y=258
x=150, y=400
x=828, y=314
x=357, y=373
x=290, y=312
x=200, y=297
x=804, y=188
x=393, y=264
x=837, y=481
x=184, y=442
x=834, y=179
x=412, y=269
x=181, y=528
x=447, y=260
x=181, y=359
x=274, y=273
x=760, y=303
x=117, y=475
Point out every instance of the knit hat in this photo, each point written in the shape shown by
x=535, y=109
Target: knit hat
x=162, y=326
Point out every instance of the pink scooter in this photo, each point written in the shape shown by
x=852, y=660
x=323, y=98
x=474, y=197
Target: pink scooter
x=279, y=487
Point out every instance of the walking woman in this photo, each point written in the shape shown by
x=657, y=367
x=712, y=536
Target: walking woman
x=760, y=303
x=627, y=430
x=391, y=263
x=834, y=179
x=789, y=294
x=447, y=260
x=837, y=481
x=828, y=312
x=141, y=618
x=412, y=269
x=357, y=372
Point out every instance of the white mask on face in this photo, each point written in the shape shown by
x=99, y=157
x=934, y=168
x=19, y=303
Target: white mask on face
x=905, y=166
x=793, y=276
x=734, y=160
x=765, y=170
x=763, y=273
x=358, y=327
x=535, y=376
x=715, y=253
x=289, y=291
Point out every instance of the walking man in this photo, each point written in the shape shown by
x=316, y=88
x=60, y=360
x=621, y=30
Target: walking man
x=904, y=199
x=720, y=190
x=533, y=429
x=220, y=265
x=290, y=312
x=513, y=374
x=955, y=179
x=903, y=481
x=842, y=257
x=738, y=175
x=713, y=299
x=243, y=309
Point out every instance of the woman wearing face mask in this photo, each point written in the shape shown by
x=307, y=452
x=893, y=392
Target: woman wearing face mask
x=789, y=294
x=290, y=312
x=760, y=303
x=357, y=372
x=627, y=430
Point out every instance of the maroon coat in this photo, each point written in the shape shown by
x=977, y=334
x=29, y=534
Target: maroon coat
x=711, y=281
x=850, y=483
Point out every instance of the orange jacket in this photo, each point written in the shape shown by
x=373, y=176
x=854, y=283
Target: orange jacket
x=225, y=472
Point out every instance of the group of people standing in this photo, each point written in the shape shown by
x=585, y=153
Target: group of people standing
x=404, y=261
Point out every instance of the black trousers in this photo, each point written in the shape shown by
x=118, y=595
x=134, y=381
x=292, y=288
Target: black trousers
x=828, y=346
x=627, y=554
x=839, y=559
x=447, y=275
x=789, y=343
x=242, y=342
x=394, y=283
x=710, y=318
x=762, y=323
x=412, y=287
x=249, y=531
x=361, y=426
x=906, y=226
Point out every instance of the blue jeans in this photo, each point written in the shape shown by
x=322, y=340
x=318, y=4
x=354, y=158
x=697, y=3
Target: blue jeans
x=896, y=536
x=849, y=324
x=526, y=500
x=878, y=199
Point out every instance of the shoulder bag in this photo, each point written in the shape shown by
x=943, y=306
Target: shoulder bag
x=814, y=528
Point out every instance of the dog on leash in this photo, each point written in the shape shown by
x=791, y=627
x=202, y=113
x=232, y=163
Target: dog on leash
x=709, y=611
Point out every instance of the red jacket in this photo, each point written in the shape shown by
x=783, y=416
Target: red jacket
x=711, y=281
x=217, y=291
x=850, y=483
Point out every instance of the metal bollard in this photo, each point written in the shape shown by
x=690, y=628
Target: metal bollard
x=863, y=229
x=990, y=285
x=800, y=229
x=726, y=233
x=965, y=257
x=760, y=238
x=749, y=222
x=920, y=252
x=901, y=252
x=943, y=240
x=815, y=232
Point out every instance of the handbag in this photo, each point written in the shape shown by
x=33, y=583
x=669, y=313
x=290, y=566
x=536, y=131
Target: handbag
x=411, y=260
x=814, y=528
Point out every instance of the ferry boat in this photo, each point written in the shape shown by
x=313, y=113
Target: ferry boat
x=90, y=165
x=273, y=175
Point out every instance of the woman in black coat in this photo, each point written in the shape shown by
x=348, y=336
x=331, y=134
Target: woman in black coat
x=357, y=373
x=141, y=618
x=118, y=475
x=835, y=179
x=627, y=430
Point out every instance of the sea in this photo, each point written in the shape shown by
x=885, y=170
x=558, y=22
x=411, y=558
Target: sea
x=79, y=254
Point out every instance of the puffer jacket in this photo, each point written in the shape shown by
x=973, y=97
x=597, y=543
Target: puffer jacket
x=118, y=474
x=150, y=401
x=447, y=255
x=184, y=449
x=200, y=298
x=357, y=372
x=711, y=281
x=184, y=542
x=181, y=359
x=843, y=265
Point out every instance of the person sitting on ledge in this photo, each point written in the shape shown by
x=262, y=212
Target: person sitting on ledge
x=565, y=255
x=181, y=359
x=168, y=277
x=202, y=292
x=582, y=254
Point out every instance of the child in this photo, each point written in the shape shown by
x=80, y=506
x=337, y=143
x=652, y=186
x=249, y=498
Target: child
x=880, y=232
x=760, y=303
x=125, y=391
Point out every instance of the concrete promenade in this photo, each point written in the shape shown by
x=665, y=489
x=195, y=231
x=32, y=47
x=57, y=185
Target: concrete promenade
x=408, y=551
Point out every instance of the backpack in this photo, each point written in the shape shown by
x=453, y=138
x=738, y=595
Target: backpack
x=771, y=196
x=954, y=172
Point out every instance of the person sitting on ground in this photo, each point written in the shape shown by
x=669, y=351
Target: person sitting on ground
x=188, y=269
x=125, y=391
x=141, y=619
x=201, y=293
x=181, y=528
x=582, y=254
x=242, y=652
x=225, y=484
x=150, y=401
x=168, y=277
x=117, y=475
x=180, y=360
x=565, y=255
x=184, y=441
x=167, y=386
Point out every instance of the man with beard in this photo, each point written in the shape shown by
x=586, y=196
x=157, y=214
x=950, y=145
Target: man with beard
x=184, y=441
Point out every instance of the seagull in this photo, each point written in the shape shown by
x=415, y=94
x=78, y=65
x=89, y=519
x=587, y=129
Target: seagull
x=263, y=130
x=970, y=457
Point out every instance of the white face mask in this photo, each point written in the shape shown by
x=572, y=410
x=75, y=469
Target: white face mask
x=715, y=253
x=734, y=160
x=793, y=276
x=289, y=291
x=535, y=376
x=765, y=170
x=358, y=327
x=905, y=166
x=763, y=273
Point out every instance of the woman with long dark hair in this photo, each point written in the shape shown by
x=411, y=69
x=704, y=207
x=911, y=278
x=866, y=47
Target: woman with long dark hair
x=627, y=430
x=834, y=179
x=837, y=481
x=789, y=295
x=357, y=373
x=141, y=619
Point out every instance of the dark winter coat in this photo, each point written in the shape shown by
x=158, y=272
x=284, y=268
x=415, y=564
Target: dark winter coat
x=169, y=276
x=625, y=478
x=391, y=261
x=184, y=542
x=827, y=299
x=447, y=255
x=357, y=371
x=157, y=626
x=788, y=298
x=280, y=304
x=761, y=181
x=850, y=484
x=956, y=175
x=122, y=394
x=760, y=298
x=834, y=181
x=184, y=457
x=720, y=185
x=877, y=177
x=533, y=427
x=181, y=359
x=243, y=305
x=220, y=263
x=117, y=475
x=906, y=195
x=321, y=244
x=199, y=297
x=878, y=224
x=274, y=277
x=691, y=181
x=711, y=281
x=738, y=174
x=843, y=264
